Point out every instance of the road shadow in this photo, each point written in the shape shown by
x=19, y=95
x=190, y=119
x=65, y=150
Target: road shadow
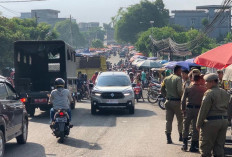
x=77, y=143
x=31, y=149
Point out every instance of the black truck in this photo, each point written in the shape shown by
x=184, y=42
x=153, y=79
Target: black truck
x=37, y=65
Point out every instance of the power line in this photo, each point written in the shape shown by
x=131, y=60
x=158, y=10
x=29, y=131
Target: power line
x=15, y=1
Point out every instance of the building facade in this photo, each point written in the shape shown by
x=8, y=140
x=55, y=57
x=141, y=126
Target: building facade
x=193, y=19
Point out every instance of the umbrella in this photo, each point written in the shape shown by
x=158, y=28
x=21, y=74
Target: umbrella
x=139, y=54
x=137, y=57
x=183, y=64
x=152, y=58
x=137, y=61
x=163, y=61
x=149, y=64
x=219, y=57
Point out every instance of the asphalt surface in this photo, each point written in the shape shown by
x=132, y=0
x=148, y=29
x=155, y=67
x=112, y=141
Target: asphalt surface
x=110, y=133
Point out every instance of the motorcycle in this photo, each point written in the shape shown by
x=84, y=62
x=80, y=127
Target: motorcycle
x=138, y=93
x=161, y=100
x=153, y=91
x=61, y=127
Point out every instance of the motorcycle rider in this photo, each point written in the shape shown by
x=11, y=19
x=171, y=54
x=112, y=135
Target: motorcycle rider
x=60, y=98
x=131, y=74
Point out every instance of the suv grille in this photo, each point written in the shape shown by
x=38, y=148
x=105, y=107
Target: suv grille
x=112, y=95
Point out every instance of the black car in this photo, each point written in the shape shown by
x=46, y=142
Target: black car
x=13, y=116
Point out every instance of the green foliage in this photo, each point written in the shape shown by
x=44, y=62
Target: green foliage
x=205, y=22
x=96, y=43
x=94, y=33
x=69, y=32
x=15, y=29
x=137, y=19
x=144, y=43
x=228, y=38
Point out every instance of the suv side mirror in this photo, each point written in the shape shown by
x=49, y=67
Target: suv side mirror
x=133, y=85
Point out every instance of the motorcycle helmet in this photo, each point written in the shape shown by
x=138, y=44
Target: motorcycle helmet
x=59, y=82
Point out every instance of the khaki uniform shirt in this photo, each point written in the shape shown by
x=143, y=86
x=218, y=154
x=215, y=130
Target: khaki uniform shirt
x=214, y=103
x=172, y=87
x=192, y=96
x=186, y=84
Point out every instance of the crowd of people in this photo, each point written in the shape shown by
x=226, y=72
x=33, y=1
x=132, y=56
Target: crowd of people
x=201, y=106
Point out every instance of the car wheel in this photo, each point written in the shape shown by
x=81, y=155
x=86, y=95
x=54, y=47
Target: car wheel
x=93, y=109
x=132, y=110
x=2, y=144
x=22, y=139
x=30, y=110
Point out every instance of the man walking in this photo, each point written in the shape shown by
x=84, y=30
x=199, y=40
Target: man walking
x=190, y=104
x=212, y=118
x=172, y=90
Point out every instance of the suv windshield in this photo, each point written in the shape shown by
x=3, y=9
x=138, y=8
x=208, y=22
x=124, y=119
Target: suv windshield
x=113, y=81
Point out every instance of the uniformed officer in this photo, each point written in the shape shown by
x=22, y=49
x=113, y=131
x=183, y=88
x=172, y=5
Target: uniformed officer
x=190, y=105
x=185, y=78
x=220, y=76
x=212, y=118
x=172, y=90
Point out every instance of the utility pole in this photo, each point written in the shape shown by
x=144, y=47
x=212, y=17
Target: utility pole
x=36, y=18
x=71, y=32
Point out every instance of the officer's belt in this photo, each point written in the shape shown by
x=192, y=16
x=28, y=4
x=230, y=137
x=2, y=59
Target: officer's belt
x=193, y=106
x=216, y=117
x=174, y=99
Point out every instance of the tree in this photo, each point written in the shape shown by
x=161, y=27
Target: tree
x=144, y=42
x=69, y=32
x=204, y=22
x=93, y=34
x=15, y=29
x=228, y=38
x=97, y=43
x=136, y=19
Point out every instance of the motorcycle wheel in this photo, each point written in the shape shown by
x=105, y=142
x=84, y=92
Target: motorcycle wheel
x=61, y=140
x=152, y=97
x=161, y=104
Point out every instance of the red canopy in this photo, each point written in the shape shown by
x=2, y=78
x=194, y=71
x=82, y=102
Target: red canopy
x=219, y=57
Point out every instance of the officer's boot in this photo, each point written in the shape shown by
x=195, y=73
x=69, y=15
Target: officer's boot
x=169, y=139
x=180, y=137
x=185, y=144
x=193, y=147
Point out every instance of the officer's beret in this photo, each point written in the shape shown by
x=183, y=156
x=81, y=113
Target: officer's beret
x=195, y=72
x=211, y=77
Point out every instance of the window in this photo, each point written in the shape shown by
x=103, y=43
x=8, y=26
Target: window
x=11, y=94
x=53, y=55
x=18, y=57
x=3, y=92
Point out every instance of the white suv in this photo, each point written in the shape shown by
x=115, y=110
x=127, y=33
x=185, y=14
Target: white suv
x=113, y=90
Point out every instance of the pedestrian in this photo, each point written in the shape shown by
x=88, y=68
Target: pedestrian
x=143, y=78
x=190, y=105
x=185, y=77
x=212, y=121
x=220, y=76
x=172, y=89
x=94, y=77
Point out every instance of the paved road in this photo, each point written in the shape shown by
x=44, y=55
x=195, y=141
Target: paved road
x=108, y=134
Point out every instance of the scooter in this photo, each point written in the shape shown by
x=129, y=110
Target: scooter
x=61, y=126
x=138, y=93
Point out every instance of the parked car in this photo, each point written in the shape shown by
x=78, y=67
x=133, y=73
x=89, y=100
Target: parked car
x=13, y=116
x=112, y=90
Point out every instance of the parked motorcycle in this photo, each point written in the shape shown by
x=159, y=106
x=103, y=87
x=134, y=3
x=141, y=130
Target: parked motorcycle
x=61, y=127
x=161, y=101
x=153, y=92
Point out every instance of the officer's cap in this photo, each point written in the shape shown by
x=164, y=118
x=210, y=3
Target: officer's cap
x=219, y=71
x=211, y=77
x=194, y=72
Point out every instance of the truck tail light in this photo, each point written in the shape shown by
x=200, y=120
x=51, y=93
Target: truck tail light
x=23, y=100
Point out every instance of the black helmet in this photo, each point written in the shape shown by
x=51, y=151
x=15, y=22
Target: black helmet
x=96, y=73
x=59, y=82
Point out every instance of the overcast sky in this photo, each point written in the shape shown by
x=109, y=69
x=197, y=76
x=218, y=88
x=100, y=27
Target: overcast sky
x=94, y=10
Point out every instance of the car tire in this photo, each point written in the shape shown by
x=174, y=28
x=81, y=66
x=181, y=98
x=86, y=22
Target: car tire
x=72, y=106
x=2, y=144
x=132, y=110
x=30, y=110
x=22, y=139
x=93, y=109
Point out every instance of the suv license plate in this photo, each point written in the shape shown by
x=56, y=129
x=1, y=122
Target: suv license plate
x=112, y=101
x=44, y=100
x=64, y=120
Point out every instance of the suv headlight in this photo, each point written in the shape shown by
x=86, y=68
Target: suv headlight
x=127, y=93
x=96, y=93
